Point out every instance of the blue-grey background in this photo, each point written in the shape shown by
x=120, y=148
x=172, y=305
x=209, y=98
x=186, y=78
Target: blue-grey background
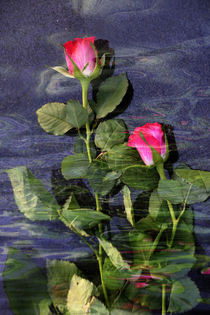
x=163, y=45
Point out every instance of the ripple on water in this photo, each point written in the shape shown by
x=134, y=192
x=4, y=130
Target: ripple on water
x=10, y=125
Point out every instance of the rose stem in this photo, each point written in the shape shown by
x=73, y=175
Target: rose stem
x=85, y=85
x=161, y=172
x=163, y=299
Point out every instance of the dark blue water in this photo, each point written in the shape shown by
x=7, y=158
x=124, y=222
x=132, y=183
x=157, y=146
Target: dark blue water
x=163, y=45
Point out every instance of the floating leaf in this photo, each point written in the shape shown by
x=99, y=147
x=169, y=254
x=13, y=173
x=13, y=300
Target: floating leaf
x=75, y=166
x=110, y=133
x=114, y=255
x=31, y=197
x=180, y=301
x=24, y=284
x=110, y=94
x=53, y=118
x=77, y=115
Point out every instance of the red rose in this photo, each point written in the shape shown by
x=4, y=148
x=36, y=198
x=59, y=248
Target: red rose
x=154, y=137
x=82, y=53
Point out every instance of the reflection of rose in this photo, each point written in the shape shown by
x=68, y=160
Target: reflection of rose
x=82, y=53
x=154, y=136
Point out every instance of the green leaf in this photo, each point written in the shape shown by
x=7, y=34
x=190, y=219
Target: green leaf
x=60, y=273
x=114, y=255
x=79, y=295
x=114, y=278
x=175, y=263
x=109, y=133
x=143, y=178
x=198, y=182
x=197, y=178
x=82, y=219
x=172, y=190
x=53, y=118
x=96, y=307
x=77, y=115
x=121, y=156
x=178, y=191
x=147, y=224
x=71, y=203
x=100, y=178
x=128, y=204
x=110, y=94
x=44, y=307
x=24, y=284
x=31, y=197
x=75, y=166
x=180, y=301
x=158, y=208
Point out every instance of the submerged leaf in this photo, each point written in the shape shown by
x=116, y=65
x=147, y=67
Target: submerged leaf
x=184, y=299
x=24, y=284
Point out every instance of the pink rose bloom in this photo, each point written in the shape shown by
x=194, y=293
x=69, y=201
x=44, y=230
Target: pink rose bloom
x=82, y=53
x=140, y=285
x=154, y=136
x=206, y=271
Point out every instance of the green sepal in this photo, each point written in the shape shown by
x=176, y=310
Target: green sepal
x=77, y=73
x=63, y=71
x=155, y=155
x=167, y=148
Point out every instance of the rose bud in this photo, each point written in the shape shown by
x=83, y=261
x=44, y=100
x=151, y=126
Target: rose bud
x=82, y=53
x=150, y=143
x=82, y=59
